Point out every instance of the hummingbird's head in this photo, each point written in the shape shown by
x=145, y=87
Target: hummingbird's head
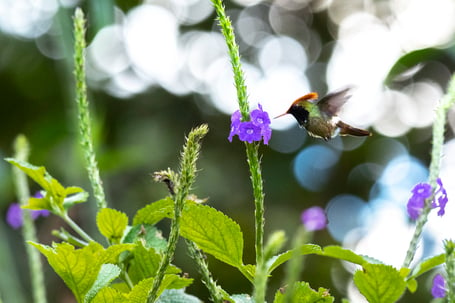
x=299, y=108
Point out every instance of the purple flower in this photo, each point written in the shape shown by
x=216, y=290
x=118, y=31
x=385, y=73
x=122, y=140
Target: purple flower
x=423, y=191
x=441, y=195
x=438, y=290
x=266, y=134
x=255, y=130
x=260, y=117
x=314, y=218
x=14, y=214
x=420, y=192
x=415, y=206
x=249, y=132
x=235, y=123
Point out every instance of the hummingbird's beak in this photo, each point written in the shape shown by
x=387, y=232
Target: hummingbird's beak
x=281, y=115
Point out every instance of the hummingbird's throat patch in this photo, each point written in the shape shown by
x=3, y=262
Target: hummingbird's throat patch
x=300, y=114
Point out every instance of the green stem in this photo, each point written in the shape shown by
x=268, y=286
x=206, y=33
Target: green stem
x=251, y=151
x=216, y=293
x=85, y=131
x=447, y=101
x=186, y=179
x=67, y=237
x=294, y=266
x=239, y=79
x=449, y=246
x=28, y=230
x=76, y=228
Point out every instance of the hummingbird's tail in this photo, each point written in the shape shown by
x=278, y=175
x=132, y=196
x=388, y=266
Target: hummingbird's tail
x=346, y=129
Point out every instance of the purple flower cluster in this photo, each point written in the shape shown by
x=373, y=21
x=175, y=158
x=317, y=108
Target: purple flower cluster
x=257, y=129
x=423, y=191
x=14, y=215
x=438, y=289
x=314, y=218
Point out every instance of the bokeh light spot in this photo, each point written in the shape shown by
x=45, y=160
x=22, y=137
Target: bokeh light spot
x=312, y=166
x=344, y=213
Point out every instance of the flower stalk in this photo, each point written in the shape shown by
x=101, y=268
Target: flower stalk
x=449, y=246
x=85, y=131
x=447, y=101
x=186, y=178
x=22, y=150
x=253, y=160
x=215, y=291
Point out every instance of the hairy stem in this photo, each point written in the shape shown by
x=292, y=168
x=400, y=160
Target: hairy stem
x=233, y=49
x=28, y=231
x=216, y=293
x=251, y=151
x=186, y=179
x=449, y=246
x=85, y=131
x=447, y=101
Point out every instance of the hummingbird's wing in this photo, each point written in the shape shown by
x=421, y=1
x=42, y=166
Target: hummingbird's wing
x=332, y=103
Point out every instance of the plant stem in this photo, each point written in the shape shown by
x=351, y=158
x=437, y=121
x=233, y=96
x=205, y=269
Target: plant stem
x=251, y=151
x=28, y=230
x=295, y=265
x=67, y=237
x=233, y=49
x=186, y=179
x=449, y=246
x=216, y=293
x=256, y=181
x=76, y=228
x=447, y=101
x=85, y=131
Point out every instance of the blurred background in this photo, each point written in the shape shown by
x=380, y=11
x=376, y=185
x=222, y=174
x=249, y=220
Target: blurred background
x=156, y=69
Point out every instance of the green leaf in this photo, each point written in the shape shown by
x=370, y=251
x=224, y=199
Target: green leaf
x=177, y=296
x=149, y=235
x=380, y=283
x=39, y=175
x=173, y=282
x=427, y=264
x=39, y=203
x=111, y=223
x=213, y=232
x=109, y=295
x=145, y=263
x=107, y=273
x=80, y=268
x=341, y=253
x=111, y=254
x=77, y=197
x=57, y=198
x=248, y=271
x=301, y=292
x=305, y=249
x=155, y=212
x=412, y=59
x=140, y=291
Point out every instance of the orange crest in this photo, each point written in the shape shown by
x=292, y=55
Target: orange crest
x=307, y=97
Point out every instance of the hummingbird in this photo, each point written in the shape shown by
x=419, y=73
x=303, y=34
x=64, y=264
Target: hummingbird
x=319, y=117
